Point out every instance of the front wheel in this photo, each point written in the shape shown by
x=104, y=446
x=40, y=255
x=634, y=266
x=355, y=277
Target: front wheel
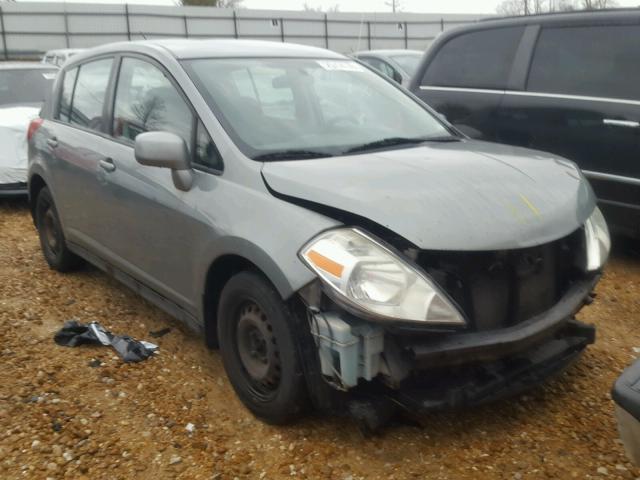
x=258, y=348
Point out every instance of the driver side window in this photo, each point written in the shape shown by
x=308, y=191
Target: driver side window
x=147, y=101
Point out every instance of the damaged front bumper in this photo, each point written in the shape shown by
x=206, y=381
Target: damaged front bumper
x=425, y=370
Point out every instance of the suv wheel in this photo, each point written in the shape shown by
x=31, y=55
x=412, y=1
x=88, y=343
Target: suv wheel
x=258, y=349
x=54, y=246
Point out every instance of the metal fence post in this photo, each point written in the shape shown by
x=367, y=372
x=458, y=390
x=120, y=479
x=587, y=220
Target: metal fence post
x=235, y=24
x=406, y=36
x=282, y=29
x=186, y=26
x=126, y=15
x=368, y=35
x=326, y=31
x=442, y=24
x=4, y=36
x=66, y=27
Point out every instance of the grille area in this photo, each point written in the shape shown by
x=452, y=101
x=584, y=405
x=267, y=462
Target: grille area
x=496, y=289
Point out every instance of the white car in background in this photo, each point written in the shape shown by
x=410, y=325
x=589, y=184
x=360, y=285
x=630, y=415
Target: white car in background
x=58, y=57
x=23, y=88
x=399, y=65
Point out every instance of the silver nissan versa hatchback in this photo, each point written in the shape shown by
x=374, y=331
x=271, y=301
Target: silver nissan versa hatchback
x=343, y=246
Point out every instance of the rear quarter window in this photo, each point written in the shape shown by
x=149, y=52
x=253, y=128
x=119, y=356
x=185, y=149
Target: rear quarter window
x=480, y=59
x=596, y=61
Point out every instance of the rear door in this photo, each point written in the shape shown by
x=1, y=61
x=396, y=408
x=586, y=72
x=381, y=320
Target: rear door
x=582, y=101
x=465, y=77
x=77, y=145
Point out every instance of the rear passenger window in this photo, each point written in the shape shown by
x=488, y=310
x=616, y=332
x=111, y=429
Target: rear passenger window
x=147, y=101
x=596, y=61
x=68, y=84
x=475, y=60
x=89, y=94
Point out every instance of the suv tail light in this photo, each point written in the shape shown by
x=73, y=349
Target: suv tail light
x=34, y=126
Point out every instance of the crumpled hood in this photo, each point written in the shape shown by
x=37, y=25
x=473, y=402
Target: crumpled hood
x=467, y=195
x=14, y=123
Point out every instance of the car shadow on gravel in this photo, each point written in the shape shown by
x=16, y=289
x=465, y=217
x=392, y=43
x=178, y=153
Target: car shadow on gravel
x=19, y=203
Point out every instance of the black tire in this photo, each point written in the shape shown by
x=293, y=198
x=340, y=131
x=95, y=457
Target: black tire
x=258, y=348
x=52, y=241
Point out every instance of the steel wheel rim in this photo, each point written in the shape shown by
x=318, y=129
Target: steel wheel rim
x=257, y=350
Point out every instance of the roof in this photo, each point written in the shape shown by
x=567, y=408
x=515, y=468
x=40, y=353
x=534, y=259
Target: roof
x=190, y=48
x=389, y=51
x=564, y=17
x=26, y=66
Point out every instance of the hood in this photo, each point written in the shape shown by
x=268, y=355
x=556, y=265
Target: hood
x=466, y=195
x=14, y=123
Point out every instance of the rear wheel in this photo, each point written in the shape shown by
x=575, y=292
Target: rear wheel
x=259, y=350
x=52, y=241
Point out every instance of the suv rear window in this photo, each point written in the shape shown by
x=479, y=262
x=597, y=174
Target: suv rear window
x=596, y=61
x=475, y=60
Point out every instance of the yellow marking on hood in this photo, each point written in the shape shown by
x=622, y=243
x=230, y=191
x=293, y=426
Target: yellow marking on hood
x=516, y=214
x=531, y=206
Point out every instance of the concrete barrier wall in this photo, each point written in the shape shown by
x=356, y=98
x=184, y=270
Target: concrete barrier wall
x=29, y=29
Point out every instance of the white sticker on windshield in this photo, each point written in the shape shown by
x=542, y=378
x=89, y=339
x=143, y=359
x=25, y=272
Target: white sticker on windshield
x=49, y=76
x=344, y=65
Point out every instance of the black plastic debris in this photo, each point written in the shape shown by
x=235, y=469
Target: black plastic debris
x=160, y=333
x=74, y=333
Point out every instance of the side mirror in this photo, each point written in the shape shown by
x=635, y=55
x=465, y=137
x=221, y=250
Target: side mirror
x=397, y=77
x=166, y=150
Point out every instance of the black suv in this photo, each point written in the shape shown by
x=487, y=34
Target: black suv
x=565, y=83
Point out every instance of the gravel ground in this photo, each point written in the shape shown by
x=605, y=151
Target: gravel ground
x=62, y=416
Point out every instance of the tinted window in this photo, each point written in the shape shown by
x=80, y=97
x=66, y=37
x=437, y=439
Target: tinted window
x=147, y=101
x=68, y=84
x=21, y=87
x=599, y=61
x=477, y=60
x=89, y=94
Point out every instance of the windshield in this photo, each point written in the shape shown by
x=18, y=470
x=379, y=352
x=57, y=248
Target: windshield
x=303, y=108
x=408, y=61
x=20, y=87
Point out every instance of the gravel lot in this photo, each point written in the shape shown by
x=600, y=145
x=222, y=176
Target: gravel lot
x=62, y=418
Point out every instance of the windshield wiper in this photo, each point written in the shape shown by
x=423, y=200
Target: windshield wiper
x=386, y=142
x=291, y=155
x=443, y=139
x=397, y=141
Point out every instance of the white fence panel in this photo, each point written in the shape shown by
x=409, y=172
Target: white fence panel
x=29, y=29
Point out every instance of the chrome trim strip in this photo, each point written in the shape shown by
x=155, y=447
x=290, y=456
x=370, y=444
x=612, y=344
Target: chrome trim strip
x=533, y=94
x=611, y=177
x=620, y=123
x=461, y=89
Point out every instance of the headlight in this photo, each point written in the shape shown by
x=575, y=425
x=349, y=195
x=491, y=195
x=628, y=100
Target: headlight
x=598, y=242
x=368, y=276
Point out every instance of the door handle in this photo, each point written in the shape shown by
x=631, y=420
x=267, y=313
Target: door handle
x=52, y=142
x=621, y=123
x=107, y=165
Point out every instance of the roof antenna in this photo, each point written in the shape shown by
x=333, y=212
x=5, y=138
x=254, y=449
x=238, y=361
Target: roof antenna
x=143, y=35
